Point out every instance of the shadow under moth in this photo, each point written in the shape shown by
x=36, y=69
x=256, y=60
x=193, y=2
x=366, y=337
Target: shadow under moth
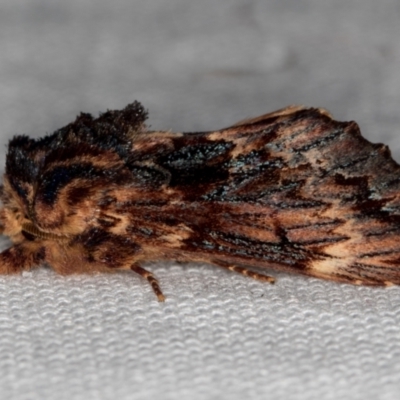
x=293, y=190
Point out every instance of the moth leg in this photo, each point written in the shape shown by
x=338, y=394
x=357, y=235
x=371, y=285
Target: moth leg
x=249, y=273
x=151, y=279
x=19, y=258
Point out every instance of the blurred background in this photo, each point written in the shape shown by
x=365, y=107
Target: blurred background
x=197, y=65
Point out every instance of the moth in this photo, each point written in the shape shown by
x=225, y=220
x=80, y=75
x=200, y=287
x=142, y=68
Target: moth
x=293, y=190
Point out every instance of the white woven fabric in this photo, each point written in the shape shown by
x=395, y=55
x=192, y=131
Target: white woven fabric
x=218, y=335
x=197, y=66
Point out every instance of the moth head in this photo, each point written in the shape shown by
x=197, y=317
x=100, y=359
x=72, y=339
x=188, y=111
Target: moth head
x=12, y=213
x=24, y=159
x=39, y=184
x=55, y=184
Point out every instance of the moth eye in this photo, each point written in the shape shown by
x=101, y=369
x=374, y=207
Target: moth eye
x=28, y=236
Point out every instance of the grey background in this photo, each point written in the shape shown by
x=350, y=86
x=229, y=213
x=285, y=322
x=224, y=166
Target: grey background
x=197, y=65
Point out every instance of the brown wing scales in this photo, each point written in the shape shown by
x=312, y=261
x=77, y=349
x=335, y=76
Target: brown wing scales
x=304, y=193
x=293, y=190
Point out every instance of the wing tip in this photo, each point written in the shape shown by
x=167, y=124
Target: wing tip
x=282, y=112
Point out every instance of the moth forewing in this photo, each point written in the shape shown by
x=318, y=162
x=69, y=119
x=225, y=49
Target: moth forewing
x=293, y=190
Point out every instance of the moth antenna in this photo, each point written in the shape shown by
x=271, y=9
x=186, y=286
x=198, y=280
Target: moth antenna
x=30, y=228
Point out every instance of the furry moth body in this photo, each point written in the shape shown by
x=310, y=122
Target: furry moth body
x=293, y=190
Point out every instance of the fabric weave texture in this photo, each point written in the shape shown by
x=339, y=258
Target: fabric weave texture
x=197, y=66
